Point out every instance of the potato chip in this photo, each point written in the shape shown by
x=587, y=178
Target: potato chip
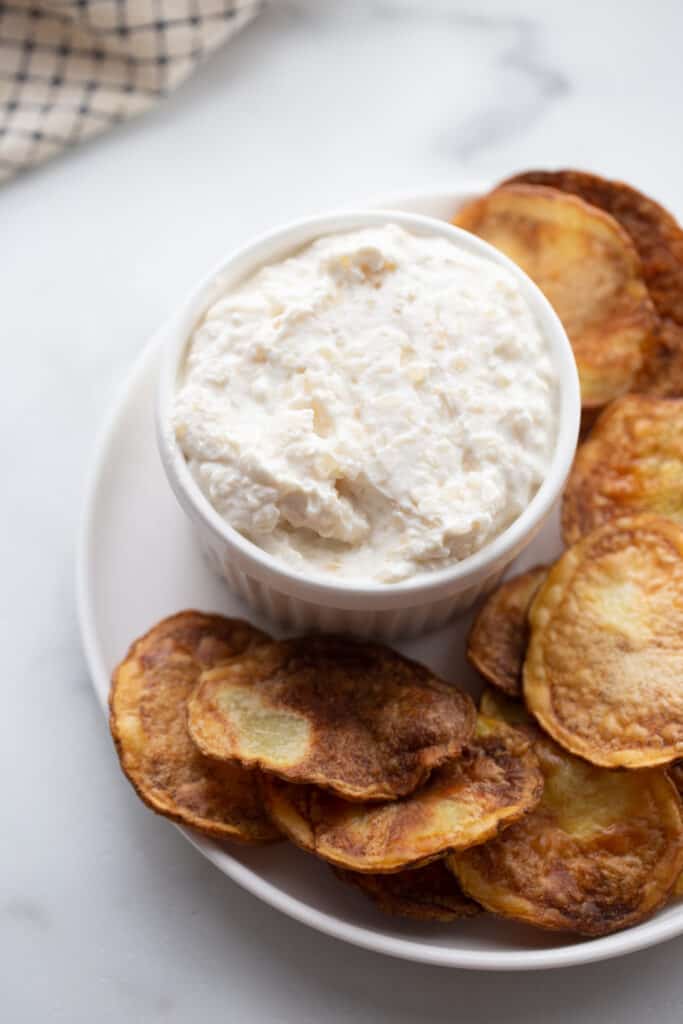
x=148, y=722
x=431, y=893
x=656, y=234
x=604, y=667
x=658, y=239
x=589, y=270
x=662, y=370
x=632, y=462
x=676, y=775
x=601, y=850
x=355, y=718
x=499, y=635
x=465, y=801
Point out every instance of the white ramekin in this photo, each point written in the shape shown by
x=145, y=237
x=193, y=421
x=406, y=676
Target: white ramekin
x=313, y=602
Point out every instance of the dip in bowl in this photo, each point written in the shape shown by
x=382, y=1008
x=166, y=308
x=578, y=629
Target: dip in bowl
x=367, y=416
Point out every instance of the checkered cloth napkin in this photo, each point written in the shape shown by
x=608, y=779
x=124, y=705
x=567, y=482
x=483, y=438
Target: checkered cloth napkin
x=70, y=69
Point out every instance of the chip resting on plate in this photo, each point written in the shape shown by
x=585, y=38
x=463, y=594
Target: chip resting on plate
x=632, y=462
x=604, y=667
x=658, y=238
x=431, y=893
x=355, y=718
x=499, y=635
x=676, y=773
x=466, y=801
x=148, y=721
x=601, y=851
x=662, y=369
x=588, y=268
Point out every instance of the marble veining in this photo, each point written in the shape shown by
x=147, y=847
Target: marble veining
x=525, y=84
x=27, y=912
x=506, y=118
x=519, y=48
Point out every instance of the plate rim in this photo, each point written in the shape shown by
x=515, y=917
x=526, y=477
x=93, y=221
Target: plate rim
x=642, y=936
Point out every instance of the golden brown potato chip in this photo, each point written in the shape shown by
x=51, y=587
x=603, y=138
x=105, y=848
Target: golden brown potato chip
x=465, y=801
x=662, y=370
x=589, y=270
x=658, y=239
x=632, y=462
x=656, y=234
x=499, y=635
x=431, y=893
x=355, y=718
x=148, y=721
x=604, y=667
x=601, y=850
x=676, y=774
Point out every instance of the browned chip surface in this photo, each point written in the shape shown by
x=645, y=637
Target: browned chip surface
x=632, y=462
x=658, y=238
x=604, y=667
x=588, y=268
x=465, y=802
x=678, y=888
x=355, y=718
x=676, y=773
x=431, y=893
x=662, y=369
x=656, y=234
x=600, y=852
x=498, y=639
x=148, y=722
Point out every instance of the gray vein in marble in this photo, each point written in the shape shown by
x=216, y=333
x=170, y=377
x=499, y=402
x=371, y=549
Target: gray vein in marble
x=24, y=911
x=512, y=114
x=514, y=110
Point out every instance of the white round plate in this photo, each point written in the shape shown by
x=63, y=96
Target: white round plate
x=133, y=529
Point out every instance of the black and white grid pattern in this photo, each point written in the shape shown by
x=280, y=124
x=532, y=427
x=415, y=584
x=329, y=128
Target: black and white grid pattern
x=70, y=69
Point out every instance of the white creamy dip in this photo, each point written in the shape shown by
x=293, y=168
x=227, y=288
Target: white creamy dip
x=376, y=405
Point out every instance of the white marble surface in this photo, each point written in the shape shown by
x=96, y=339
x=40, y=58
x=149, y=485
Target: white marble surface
x=106, y=913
